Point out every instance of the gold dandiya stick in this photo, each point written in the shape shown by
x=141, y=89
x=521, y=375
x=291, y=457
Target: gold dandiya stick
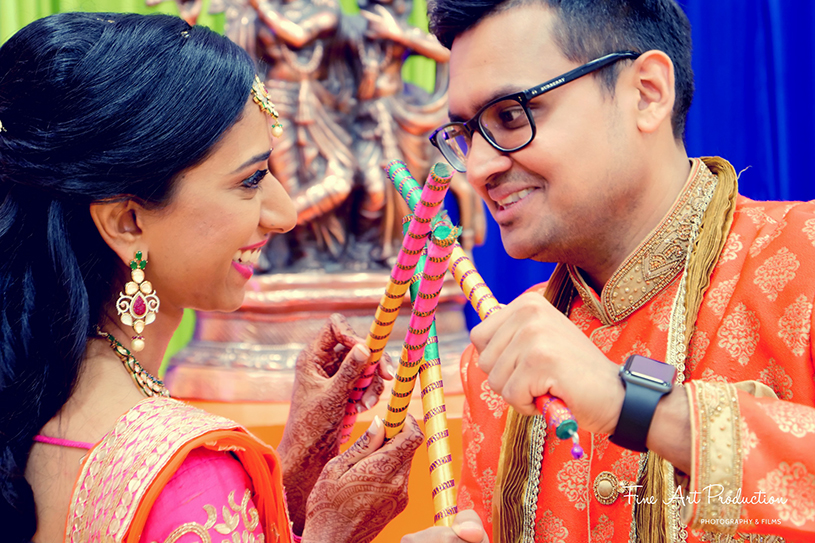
x=421, y=319
x=435, y=422
x=428, y=205
x=481, y=298
x=438, y=441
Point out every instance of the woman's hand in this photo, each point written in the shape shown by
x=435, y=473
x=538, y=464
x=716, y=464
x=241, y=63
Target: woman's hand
x=466, y=528
x=364, y=488
x=325, y=375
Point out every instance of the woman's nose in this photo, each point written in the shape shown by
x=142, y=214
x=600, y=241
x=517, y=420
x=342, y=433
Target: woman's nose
x=277, y=213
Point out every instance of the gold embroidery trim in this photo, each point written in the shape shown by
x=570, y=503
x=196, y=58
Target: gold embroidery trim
x=716, y=426
x=120, y=469
x=742, y=538
x=656, y=262
x=232, y=516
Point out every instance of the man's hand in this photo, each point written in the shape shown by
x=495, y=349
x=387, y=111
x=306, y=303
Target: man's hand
x=529, y=349
x=466, y=528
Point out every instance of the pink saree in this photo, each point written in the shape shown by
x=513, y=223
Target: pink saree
x=169, y=472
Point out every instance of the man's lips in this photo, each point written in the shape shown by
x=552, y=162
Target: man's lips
x=504, y=199
x=257, y=245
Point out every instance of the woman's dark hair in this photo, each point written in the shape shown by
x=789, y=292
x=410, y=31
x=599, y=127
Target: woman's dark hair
x=588, y=29
x=94, y=106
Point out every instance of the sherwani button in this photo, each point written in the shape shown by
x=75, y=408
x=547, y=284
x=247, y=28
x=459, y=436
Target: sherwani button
x=606, y=488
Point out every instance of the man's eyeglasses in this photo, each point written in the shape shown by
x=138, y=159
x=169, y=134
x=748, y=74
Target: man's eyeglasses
x=507, y=122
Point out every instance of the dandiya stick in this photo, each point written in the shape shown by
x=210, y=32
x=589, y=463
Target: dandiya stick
x=428, y=205
x=438, y=442
x=484, y=303
x=421, y=318
x=435, y=422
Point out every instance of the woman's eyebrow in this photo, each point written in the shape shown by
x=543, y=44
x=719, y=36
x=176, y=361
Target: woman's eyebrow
x=254, y=160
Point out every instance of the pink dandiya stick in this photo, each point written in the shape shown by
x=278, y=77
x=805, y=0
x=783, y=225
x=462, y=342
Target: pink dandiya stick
x=483, y=301
x=439, y=452
x=421, y=319
x=435, y=418
x=432, y=195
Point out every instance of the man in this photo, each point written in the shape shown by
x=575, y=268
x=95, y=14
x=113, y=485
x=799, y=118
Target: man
x=658, y=257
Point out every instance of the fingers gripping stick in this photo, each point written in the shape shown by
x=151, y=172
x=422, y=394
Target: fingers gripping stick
x=483, y=301
x=481, y=298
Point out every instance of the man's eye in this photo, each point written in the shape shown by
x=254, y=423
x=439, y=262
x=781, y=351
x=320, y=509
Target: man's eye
x=511, y=116
x=504, y=115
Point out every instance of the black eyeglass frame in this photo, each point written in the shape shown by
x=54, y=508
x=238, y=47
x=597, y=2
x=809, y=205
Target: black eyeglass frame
x=523, y=98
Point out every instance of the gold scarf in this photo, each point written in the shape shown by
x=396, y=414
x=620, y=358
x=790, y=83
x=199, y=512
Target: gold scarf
x=652, y=522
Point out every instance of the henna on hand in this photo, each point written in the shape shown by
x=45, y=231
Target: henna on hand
x=361, y=490
x=325, y=374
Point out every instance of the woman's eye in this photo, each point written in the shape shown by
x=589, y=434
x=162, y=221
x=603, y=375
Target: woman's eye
x=253, y=181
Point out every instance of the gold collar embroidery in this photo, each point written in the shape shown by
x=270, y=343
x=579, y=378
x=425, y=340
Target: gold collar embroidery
x=658, y=260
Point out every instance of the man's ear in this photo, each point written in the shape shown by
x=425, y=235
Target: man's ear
x=119, y=225
x=653, y=74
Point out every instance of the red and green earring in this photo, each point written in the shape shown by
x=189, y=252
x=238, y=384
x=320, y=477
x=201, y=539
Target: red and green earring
x=138, y=304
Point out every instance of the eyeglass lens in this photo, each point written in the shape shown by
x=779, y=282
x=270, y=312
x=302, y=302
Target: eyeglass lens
x=504, y=123
x=454, y=143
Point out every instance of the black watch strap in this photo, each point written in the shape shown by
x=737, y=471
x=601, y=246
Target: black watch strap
x=635, y=417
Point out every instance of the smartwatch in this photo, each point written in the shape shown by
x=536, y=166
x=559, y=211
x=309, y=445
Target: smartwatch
x=646, y=381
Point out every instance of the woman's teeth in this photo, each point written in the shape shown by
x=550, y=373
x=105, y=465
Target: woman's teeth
x=514, y=197
x=249, y=257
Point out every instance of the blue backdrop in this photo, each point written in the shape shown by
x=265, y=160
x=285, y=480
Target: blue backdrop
x=754, y=65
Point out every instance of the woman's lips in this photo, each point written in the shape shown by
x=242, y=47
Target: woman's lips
x=246, y=270
x=246, y=258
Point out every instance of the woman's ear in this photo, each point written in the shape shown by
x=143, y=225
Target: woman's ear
x=119, y=225
x=653, y=74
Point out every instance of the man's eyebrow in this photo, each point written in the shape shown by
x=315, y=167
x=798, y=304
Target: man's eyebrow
x=262, y=157
x=496, y=93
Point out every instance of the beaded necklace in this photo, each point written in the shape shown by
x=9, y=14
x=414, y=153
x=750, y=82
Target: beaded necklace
x=147, y=383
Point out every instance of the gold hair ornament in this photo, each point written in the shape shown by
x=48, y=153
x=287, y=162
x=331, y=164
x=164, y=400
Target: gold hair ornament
x=2, y=128
x=261, y=97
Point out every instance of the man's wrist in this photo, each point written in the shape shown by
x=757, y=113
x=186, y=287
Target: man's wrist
x=670, y=433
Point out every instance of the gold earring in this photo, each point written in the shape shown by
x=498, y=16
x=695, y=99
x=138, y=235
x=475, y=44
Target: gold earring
x=138, y=304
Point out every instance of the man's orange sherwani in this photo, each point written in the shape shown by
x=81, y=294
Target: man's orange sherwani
x=754, y=324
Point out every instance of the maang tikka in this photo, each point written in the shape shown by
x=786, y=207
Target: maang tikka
x=138, y=304
x=261, y=97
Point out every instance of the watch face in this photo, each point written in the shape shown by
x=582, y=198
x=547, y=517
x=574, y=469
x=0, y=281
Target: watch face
x=645, y=367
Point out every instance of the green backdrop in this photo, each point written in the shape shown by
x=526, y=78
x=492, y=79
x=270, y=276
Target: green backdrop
x=15, y=14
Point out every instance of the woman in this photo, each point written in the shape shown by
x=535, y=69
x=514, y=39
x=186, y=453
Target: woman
x=132, y=185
